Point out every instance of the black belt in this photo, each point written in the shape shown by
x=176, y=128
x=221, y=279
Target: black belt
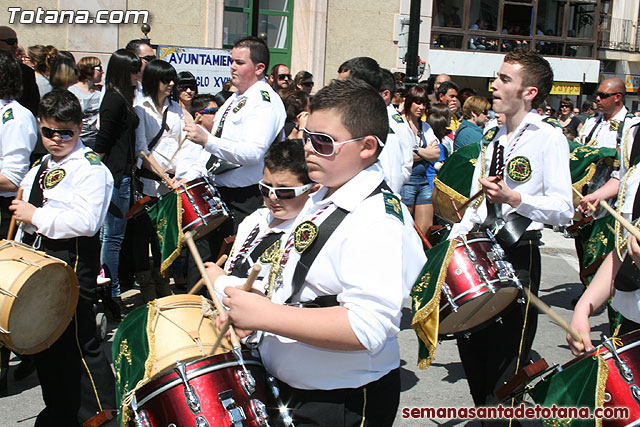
x=320, y=302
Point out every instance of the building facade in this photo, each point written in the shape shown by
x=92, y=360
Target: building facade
x=584, y=40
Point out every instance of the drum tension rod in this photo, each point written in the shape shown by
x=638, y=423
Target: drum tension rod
x=8, y=293
x=4, y=331
x=622, y=367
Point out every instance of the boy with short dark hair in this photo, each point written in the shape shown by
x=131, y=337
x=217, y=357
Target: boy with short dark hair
x=66, y=197
x=331, y=325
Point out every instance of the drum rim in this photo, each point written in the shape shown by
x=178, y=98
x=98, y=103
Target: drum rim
x=195, y=373
x=509, y=284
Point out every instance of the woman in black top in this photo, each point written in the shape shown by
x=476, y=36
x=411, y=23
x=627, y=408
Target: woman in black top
x=115, y=143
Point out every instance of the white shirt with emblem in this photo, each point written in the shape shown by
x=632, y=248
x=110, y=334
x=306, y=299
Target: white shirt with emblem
x=371, y=262
x=167, y=146
x=77, y=203
x=546, y=192
x=253, y=121
x=18, y=136
x=627, y=303
x=396, y=157
x=260, y=218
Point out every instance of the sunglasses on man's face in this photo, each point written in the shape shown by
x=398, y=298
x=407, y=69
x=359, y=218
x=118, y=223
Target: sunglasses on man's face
x=605, y=95
x=148, y=58
x=64, y=134
x=283, y=193
x=324, y=145
x=211, y=110
x=284, y=76
x=10, y=41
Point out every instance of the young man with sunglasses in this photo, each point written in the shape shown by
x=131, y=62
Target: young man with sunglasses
x=18, y=136
x=331, y=324
x=523, y=171
x=30, y=95
x=66, y=198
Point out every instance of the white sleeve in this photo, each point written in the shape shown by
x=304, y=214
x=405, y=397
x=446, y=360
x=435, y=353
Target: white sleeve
x=19, y=136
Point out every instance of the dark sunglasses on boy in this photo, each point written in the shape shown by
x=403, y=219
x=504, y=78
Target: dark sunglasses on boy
x=64, y=134
x=211, y=110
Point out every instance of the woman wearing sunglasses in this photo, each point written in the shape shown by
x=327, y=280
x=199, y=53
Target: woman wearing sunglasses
x=185, y=89
x=416, y=192
x=304, y=81
x=566, y=117
x=285, y=188
x=88, y=91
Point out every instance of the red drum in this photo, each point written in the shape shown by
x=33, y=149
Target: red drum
x=215, y=391
x=623, y=382
x=479, y=285
x=202, y=208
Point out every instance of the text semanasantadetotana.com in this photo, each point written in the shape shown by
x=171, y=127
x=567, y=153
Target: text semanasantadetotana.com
x=519, y=412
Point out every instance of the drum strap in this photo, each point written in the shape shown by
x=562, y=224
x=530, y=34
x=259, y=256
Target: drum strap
x=593, y=129
x=325, y=230
x=241, y=269
x=36, y=197
x=163, y=126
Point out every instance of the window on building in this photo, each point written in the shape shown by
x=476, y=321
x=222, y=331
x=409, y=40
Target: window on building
x=274, y=25
x=502, y=25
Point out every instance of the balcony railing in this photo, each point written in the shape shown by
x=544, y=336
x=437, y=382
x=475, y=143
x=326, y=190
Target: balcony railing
x=618, y=34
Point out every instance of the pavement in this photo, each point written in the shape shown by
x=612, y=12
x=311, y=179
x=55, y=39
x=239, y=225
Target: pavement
x=442, y=384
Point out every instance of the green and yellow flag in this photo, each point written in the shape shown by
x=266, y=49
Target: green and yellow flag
x=166, y=217
x=579, y=385
x=425, y=300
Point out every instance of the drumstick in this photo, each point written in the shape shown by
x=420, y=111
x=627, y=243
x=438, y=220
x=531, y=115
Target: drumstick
x=555, y=317
x=253, y=275
x=195, y=121
x=495, y=180
x=12, y=224
x=626, y=224
x=200, y=283
x=157, y=169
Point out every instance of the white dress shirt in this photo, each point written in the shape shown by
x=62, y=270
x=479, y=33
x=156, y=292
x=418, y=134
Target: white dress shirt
x=370, y=262
x=18, y=136
x=77, y=205
x=546, y=197
x=253, y=121
x=396, y=157
x=167, y=145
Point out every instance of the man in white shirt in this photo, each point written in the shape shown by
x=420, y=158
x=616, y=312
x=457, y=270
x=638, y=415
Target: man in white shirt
x=523, y=171
x=18, y=136
x=244, y=128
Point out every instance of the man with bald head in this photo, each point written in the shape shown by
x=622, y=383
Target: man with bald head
x=30, y=96
x=605, y=129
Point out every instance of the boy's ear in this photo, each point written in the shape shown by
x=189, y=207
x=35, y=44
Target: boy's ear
x=369, y=147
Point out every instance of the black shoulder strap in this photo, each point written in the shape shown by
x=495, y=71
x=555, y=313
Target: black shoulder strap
x=325, y=230
x=593, y=129
x=156, y=138
x=241, y=268
x=620, y=130
x=634, y=157
x=36, y=197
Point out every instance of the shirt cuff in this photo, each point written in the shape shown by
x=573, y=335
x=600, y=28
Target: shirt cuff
x=39, y=219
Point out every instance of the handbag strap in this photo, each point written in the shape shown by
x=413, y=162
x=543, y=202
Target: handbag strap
x=156, y=138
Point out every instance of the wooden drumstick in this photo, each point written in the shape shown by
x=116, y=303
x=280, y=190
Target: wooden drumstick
x=12, y=224
x=195, y=121
x=626, y=224
x=554, y=316
x=157, y=169
x=253, y=275
x=200, y=283
x=495, y=180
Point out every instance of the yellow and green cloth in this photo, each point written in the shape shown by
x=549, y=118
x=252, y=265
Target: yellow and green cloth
x=166, y=218
x=425, y=300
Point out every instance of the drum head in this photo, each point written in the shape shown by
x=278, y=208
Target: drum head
x=43, y=309
x=478, y=310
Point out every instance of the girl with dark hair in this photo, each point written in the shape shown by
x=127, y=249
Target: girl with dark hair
x=185, y=89
x=297, y=107
x=566, y=117
x=304, y=81
x=439, y=118
x=158, y=136
x=115, y=142
x=88, y=92
x=416, y=192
